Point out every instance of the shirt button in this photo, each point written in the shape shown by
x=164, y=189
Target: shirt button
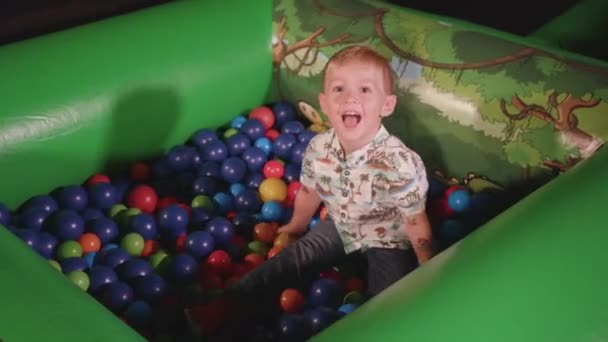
x=344, y=194
x=347, y=173
x=343, y=214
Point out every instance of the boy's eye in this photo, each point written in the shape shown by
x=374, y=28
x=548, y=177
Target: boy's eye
x=366, y=90
x=337, y=89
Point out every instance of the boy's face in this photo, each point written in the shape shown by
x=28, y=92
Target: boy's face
x=355, y=100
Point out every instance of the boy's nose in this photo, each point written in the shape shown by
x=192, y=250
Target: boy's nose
x=351, y=97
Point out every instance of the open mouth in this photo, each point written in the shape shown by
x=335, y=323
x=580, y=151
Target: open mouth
x=351, y=119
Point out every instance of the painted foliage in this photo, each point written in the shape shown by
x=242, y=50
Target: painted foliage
x=475, y=106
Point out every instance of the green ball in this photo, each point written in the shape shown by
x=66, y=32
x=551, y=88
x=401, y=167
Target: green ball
x=116, y=209
x=354, y=297
x=230, y=132
x=80, y=278
x=159, y=260
x=55, y=265
x=258, y=247
x=123, y=217
x=69, y=249
x=202, y=201
x=133, y=244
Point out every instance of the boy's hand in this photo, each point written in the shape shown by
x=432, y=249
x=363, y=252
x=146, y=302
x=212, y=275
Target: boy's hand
x=291, y=228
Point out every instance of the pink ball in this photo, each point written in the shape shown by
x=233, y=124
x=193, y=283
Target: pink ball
x=264, y=115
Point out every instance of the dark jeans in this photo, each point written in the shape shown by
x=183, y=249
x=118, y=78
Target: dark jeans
x=318, y=250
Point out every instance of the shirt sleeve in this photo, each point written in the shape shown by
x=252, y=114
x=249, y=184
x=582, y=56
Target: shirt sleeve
x=308, y=174
x=411, y=197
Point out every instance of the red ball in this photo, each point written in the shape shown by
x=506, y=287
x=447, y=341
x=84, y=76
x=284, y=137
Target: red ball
x=253, y=260
x=273, y=169
x=164, y=202
x=354, y=284
x=180, y=243
x=292, y=190
x=264, y=115
x=239, y=240
x=331, y=274
x=97, y=178
x=240, y=269
x=144, y=198
x=140, y=172
x=291, y=301
x=219, y=261
x=272, y=134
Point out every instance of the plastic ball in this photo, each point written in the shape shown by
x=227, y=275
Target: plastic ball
x=132, y=243
x=283, y=144
x=202, y=201
x=271, y=211
x=90, y=243
x=45, y=202
x=237, y=144
x=347, y=308
x=254, y=180
x=459, y=200
x=151, y=287
x=264, y=115
x=272, y=134
x=102, y=196
x=73, y=264
x=253, y=260
x=320, y=318
x=138, y=313
x=200, y=244
x=230, y=132
x=159, y=260
x=68, y=225
x=215, y=151
x=221, y=229
x=293, y=328
x=133, y=268
x=248, y=201
x=172, y=220
x=255, y=158
x=223, y=202
x=69, y=249
x=264, y=144
x=46, y=244
x=297, y=153
x=233, y=169
x=80, y=278
x=210, y=168
x=72, y=197
x=283, y=240
x=113, y=257
x=91, y=214
x=182, y=267
x=292, y=172
x=33, y=218
x=306, y=136
x=292, y=127
x=104, y=228
x=265, y=233
x=236, y=188
x=253, y=128
x=283, y=112
x=219, y=261
x=139, y=172
x=199, y=216
x=143, y=197
x=273, y=169
x=237, y=122
x=203, y=136
x=144, y=225
x=100, y=276
x=291, y=300
x=117, y=296
x=96, y=179
x=325, y=292
x=273, y=189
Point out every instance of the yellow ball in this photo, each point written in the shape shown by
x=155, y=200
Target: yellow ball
x=317, y=128
x=273, y=189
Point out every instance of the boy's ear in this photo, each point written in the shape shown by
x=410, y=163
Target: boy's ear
x=323, y=102
x=389, y=105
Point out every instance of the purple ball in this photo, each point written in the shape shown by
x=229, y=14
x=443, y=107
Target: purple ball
x=133, y=268
x=117, y=296
x=105, y=228
x=297, y=153
x=237, y=144
x=215, y=150
x=47, y=243
x=202, y=137
x=72, y=197
x=282, y=145
x=221, y=229
x=172, y=220
x=253, y=128
x=253, y=180
x=145, y=225
x=150, y=288
x=210, y=168
x=102, y=196
x=73, y=264
x=33, y=218
x=306, y=136
x=179, y=158
x=233, y=169
x=283, y=112
x=68, y=225
x=100, y=276
x=182, y=267
x=113, y=257
x=292, y=127
x=255, y=158
x=200, y=244
x=248, y=201
x=46, y=202
x=292, y=172
x=204, y=185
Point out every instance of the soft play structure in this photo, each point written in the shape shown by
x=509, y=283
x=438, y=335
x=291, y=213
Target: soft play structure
x=519, y=117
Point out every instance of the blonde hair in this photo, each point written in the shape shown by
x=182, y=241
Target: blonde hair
x=363, y=54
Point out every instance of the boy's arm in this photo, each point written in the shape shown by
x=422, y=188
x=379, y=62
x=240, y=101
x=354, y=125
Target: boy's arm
x=305, y=206
x=421, y=236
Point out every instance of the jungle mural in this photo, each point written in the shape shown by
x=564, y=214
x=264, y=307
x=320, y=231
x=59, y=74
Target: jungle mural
x=478, y=108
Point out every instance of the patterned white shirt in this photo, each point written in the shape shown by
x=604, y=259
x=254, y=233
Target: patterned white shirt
x=367, y=192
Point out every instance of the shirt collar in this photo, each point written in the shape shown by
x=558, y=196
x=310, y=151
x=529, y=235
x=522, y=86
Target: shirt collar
x=360, y=155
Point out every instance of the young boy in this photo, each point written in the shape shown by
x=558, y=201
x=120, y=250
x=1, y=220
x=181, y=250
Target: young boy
x=373, y=186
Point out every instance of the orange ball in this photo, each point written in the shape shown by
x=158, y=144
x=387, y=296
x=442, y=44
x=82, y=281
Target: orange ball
x=89, y=243
x=274, y=251
x=291, y=301
x=264, y=232
x=273, y=189
x=150, y=247
x=283, y=240
x=253, y=260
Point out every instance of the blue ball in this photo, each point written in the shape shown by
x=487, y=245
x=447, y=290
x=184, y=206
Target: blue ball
x=113, y=257
x=102, y=196
x=182, y=267
x=46, y=202
x=133, y=268
x=172, y=220
x=200, y=244
x=233, y=169
x=210, y=168
x=68, y=225
x=105, y=228
x=237, y=144
x=293, y=328
x=223, y=202
x=253, y=128
x=242, y=224
x=122, y=184
x=292, y=172
x=265, y=145
x=33, y=218
x=254, y=179
x=314, y=221
x=325, y=292
x=255, y=158
x=91, y=214
x=204, y=185
x=283, y=112
x=306, y=136
x=100, y=276
x=320, y=318
x=459, y=200
x=248, y=201
x=179, y=158
x=199, y=216
x=117, y=296
x=215, y=151
x=150, y=288
x=29, y=236
x=90, y=258
x=73, y=264
x=347, y=308
x=236, y=189
x=271, y=211
x=47, y=243
x=221, y=229
x=297, y=153
x=5, y=215
x=72, y=197
x=202, y=137
x=138, y=313
x=282, y=145
x=238, y=122
x=292, y=127
x=145, y=225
